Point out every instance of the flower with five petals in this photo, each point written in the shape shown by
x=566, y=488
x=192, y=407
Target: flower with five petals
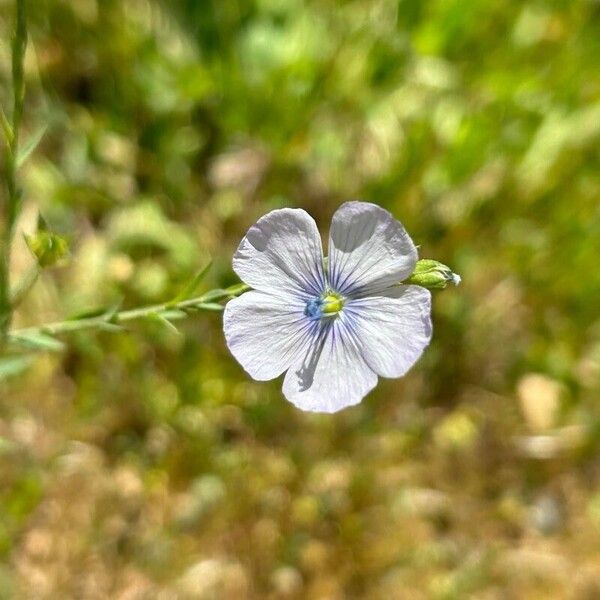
x=332, y=325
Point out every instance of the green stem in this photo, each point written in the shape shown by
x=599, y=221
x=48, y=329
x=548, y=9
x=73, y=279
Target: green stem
x=428, y=273
x=208, y=301
x=11, y=133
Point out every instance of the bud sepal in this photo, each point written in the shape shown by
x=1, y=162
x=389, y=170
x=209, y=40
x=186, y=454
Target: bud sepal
x=432, y=274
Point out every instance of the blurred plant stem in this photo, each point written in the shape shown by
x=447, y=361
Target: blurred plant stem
x=12, y=202
x=112, y=319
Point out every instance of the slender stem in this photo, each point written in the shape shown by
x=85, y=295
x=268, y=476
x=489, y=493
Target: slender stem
x=208, y=301
x=428, y=273
x=11, y=132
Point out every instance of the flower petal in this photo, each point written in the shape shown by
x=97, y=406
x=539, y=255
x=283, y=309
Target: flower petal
x=332, y=374
x=266, y=333
x=282, y=251
x=369, y=250
x=393, y=328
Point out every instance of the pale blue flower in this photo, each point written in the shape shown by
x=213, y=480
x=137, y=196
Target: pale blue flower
x=332, y=325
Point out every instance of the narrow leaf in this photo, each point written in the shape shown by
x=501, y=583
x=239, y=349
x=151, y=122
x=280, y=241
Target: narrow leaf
x=212, y=306
x=42, y=224
x=173, y=314
x=237, y=289
x=88, y=314
x=24, y=285
x=214, y=295
x=112, y=312
x=109, y=311
x=11, y=366
x=39, y=341
x=159, y=318
x=28, y=148
x=6, y=128
x=192, y=286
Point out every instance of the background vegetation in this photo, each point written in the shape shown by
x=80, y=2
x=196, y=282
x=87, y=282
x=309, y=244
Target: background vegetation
x=147, y=464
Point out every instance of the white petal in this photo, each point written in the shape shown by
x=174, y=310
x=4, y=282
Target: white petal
x=282, y=251
x=332, y=374
x=368, y=250
x=266, y=333
x=394, y=328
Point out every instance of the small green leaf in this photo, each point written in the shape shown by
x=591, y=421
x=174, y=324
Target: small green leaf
x=109, y=311
x=173, y=314
x=38, y=341
x=237, y=289
x=26, y=151
x=24, y=285
x=6, y=128
x=88, y=314
x=112, y=312
x=192, y=286
x=159, y=318
x=214, y=295
x=212, y=306
x=10, y=366
x=42, y=224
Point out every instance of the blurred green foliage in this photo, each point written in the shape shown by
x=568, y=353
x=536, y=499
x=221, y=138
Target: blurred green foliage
x=146, y=464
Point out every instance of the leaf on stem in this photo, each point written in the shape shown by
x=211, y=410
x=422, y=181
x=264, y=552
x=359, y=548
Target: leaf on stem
x=6, y=128
x=237, y=289
x=23, y=286
x=108, y=311
x=217, y=294
x=38, y=341
x=30, y=146
x=211, y=306
x=11, y=366
x=173, y=314
x=192, y=286
x=160, y=318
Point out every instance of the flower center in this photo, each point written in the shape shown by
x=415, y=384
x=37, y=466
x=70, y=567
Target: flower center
x=332, y=304
x=329, y=304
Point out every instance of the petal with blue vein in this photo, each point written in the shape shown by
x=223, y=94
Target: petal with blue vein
x=282, y=251
x=394, y=328
x=369, y=250
x=332, y=374
x=266, y=332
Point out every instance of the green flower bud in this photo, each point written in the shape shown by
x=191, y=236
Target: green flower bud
x=432, y=274
x=47, y=247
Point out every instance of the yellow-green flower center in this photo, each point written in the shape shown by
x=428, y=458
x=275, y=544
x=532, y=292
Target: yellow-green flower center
x=329, y=304
x=332, y=304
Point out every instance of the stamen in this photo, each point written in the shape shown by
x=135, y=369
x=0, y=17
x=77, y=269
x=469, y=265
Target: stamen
x=332, y=304
x=329, y=304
